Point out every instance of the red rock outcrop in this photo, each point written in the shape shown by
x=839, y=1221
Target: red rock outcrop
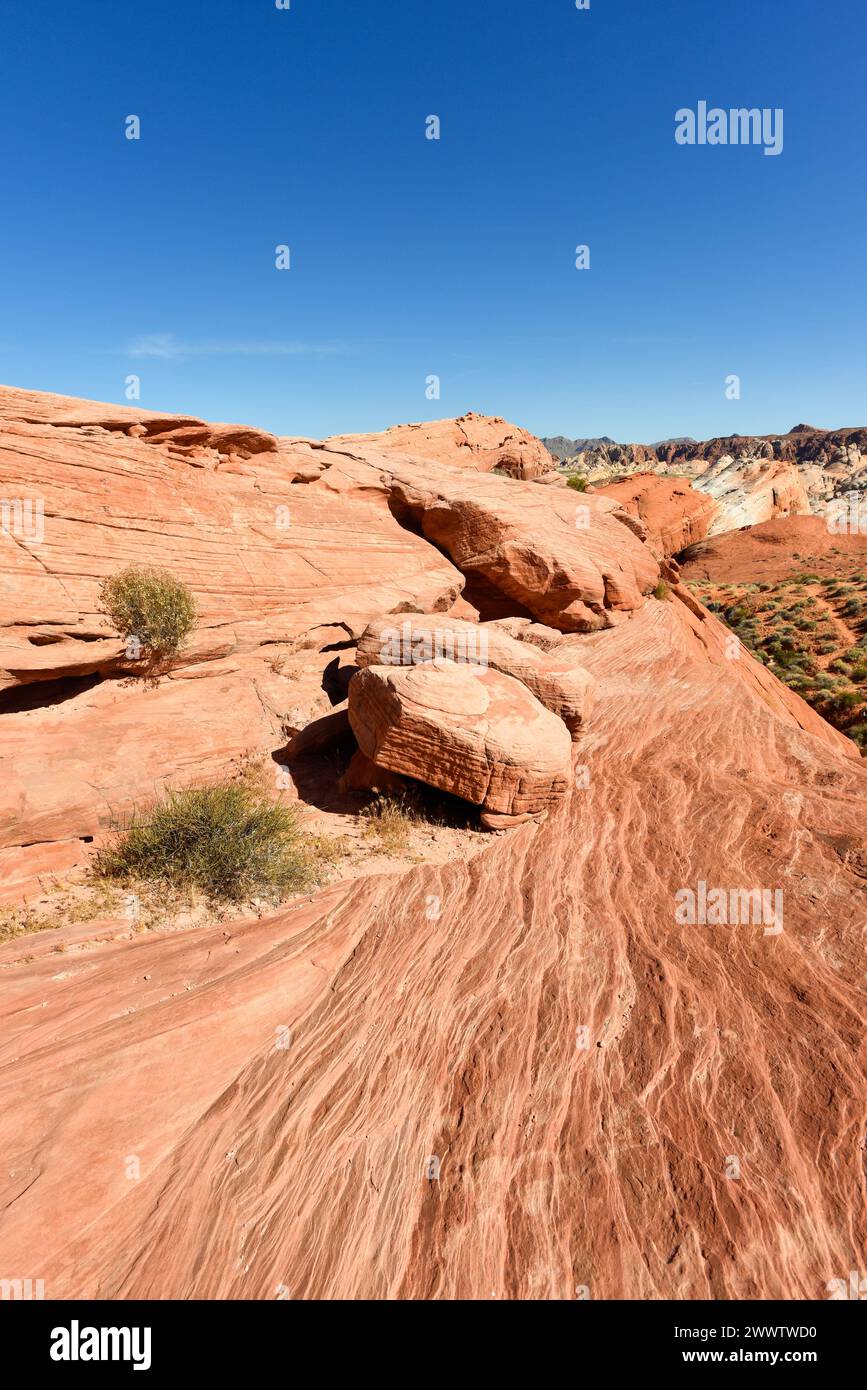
x=283, y=574
x=673, y=512
x=533, y=1072
x=558, y=681
x=615, y=1101
x=480, y=442
x=573, y=564
x=752, y=478
x=468, y=730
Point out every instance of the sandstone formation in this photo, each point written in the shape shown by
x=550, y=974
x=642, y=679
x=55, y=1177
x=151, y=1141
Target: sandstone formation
x=521, y=1073
x=573, y=564
x=481, y=442
x=674, y=513
x=468, y=730
x=559, y=682
x=752, y=490
x=452, y=1034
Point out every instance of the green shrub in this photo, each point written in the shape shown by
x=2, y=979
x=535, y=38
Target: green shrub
x=661, y=590
x=152, y=605
x=847, y=700
x=577, y=481
x=858, y=732
x=229, y=840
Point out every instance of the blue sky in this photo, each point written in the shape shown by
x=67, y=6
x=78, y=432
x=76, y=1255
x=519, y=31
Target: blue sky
x=412, y=257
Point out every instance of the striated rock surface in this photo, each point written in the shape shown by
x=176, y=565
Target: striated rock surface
x=581, y=1066
x=558, y=681
x=573, y=565
x=749, y=491
x=480, y=442
x=673, y=512
x=468, y=730
x=525, y=1072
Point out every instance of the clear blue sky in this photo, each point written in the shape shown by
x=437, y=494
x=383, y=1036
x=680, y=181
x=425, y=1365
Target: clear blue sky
x=412, y=257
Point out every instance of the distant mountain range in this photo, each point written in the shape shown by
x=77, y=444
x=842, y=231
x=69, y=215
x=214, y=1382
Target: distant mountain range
x=802, y=444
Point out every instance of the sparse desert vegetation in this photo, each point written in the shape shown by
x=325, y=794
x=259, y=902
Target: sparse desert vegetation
x=811, y=632
x=152, y=606
x=228, y=840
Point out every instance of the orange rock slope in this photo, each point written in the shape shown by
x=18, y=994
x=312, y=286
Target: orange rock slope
x=533, y=1073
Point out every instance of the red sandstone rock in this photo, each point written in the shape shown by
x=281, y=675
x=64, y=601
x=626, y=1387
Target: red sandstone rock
x=363, y=775
x=571, y=563
x=559, y=682
x=255, y=1105
x=411, y=1032
x=674, y=513
x=480, y=442
x=470, y=731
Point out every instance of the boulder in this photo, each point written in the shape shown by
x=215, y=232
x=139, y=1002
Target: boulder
x=571, y=560
x=468, y=730
x=558, y=680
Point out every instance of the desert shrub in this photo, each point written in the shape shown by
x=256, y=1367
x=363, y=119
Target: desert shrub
x=858, y=732
x=390, y=819
x=844, y=700
x=853, y=608
x=826, y=647
x=859, y=673
x=577, y=481
x=229, y=840
x=661, y=590
x=149, y=604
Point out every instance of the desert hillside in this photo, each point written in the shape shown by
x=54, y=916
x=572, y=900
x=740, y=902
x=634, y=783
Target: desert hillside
x=540, y=1044
x=742, y=480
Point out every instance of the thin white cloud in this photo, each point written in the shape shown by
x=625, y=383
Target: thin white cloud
x=167, y=348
